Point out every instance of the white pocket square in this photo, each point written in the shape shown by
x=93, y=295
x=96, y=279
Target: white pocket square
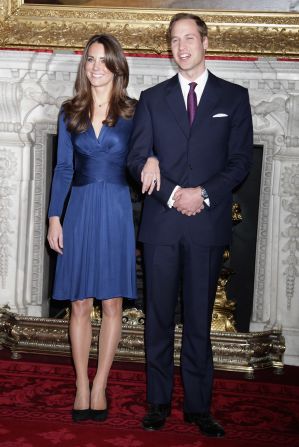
x=220, y=115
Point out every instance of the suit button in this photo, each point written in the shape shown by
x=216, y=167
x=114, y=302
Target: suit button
x=190, y=167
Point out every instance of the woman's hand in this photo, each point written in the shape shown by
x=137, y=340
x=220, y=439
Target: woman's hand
x=55, y=236
x=150, y=175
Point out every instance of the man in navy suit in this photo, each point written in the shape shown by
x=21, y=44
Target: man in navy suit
x=199, y=127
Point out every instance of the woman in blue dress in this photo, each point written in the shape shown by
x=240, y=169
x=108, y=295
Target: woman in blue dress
x=96, y=247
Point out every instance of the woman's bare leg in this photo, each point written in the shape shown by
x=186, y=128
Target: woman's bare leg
x=108, y=341
x=80, y=335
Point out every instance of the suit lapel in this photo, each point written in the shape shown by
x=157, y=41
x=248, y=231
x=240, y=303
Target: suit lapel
x=207, y=101
x=175, y=101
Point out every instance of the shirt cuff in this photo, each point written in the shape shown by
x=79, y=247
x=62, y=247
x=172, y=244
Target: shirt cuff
x=171, y=199
x=205, y=194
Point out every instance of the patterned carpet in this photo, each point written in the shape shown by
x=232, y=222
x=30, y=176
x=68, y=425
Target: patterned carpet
x=36, y=398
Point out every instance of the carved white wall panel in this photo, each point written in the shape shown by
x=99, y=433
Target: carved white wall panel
x=32, y=87
x=10, y=193
x=276, y=115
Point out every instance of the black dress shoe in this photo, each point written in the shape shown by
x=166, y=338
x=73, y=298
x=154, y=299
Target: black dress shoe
x=98, y=415
x=156, y=416
x=206, y=424
x=80, y=415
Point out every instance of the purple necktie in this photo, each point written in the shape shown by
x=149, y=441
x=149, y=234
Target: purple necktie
x=191, y=102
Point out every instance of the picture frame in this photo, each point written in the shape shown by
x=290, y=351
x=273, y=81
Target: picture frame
x=143, y=31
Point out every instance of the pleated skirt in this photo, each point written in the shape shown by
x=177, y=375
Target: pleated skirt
x=98, y=259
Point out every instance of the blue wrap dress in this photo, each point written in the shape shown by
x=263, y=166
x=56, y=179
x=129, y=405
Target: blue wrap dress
x=98, y=257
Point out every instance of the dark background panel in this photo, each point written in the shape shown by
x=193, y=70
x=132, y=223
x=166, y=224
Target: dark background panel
x=240, y=287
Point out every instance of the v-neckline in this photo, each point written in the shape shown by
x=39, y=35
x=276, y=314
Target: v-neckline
x=94, y=132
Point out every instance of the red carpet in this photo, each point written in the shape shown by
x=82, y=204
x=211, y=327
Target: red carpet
x=36, y=398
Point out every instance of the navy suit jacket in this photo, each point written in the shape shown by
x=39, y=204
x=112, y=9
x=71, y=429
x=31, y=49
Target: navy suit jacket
x=214, y=153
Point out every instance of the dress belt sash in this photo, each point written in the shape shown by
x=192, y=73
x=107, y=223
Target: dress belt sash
x=92, y=170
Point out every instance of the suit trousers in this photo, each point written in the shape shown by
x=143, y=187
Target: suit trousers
x=197, y=268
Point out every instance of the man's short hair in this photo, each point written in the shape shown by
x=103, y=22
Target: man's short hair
x=201, y=25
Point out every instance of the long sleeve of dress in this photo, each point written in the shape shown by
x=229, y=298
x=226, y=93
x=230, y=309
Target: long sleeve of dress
x=64, y=170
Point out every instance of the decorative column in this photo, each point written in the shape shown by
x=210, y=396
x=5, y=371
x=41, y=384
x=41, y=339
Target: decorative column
x=276, y=280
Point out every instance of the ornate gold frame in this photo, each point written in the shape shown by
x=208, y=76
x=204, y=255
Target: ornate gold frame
x=143, y=30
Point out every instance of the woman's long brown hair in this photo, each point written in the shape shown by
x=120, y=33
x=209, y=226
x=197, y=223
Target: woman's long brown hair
x=79, y=110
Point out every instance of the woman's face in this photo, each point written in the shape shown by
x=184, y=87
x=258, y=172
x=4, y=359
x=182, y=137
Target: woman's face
x=95, y=67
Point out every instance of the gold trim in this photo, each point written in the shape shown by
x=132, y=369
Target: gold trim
x=240, y=352
x=143, y=30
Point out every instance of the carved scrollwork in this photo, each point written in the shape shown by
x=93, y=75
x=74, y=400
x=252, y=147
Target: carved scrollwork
x=133, y=317
x=8, y=165
x=290, y=183
x=271, y=118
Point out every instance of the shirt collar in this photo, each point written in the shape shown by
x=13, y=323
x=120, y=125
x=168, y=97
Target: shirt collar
x=200, y=81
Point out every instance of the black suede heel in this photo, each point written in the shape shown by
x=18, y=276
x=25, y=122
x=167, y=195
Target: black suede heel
x=80, y=415
x=98, y=415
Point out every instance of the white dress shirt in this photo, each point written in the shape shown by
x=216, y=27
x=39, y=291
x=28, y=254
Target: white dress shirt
x=184, y=83
x=201, y=83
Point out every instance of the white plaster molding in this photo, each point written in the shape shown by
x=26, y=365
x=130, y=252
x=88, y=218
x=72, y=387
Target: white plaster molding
x=290, y=234
x=8, y=190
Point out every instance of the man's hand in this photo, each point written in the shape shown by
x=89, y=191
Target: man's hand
x=150, y=175
x=188, y=201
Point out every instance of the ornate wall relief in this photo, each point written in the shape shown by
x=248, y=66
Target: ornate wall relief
x=290, y=234
x=8, y=190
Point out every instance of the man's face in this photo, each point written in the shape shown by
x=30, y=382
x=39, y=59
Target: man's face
x=188, y=48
